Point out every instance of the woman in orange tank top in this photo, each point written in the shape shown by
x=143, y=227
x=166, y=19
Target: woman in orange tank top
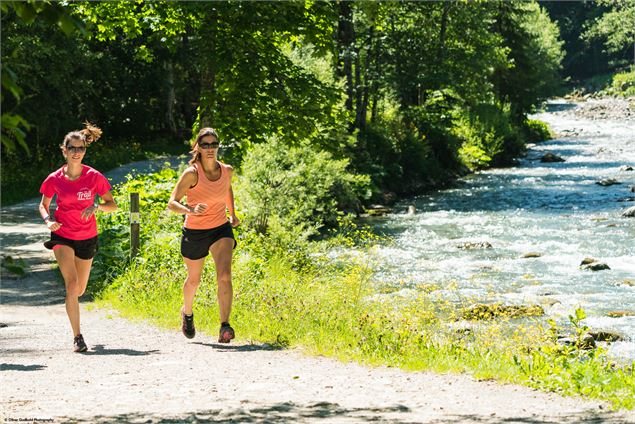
x=207, y=185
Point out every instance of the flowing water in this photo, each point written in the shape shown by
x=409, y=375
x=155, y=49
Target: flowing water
x=554, y=209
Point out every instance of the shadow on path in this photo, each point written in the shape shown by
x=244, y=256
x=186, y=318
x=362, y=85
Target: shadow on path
x=101, y=350
x=289, y=412
x=239, y=348
x=20, y=367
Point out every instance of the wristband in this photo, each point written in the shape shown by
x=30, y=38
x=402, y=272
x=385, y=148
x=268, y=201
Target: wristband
x=47, y=217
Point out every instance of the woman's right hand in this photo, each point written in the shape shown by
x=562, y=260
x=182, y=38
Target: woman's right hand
x=199, y=209
x=53, y=225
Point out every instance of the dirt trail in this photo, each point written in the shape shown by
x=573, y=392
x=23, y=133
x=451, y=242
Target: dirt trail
x=135, y=372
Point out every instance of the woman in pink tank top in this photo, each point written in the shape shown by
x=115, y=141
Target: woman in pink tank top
x=207, y=229
x=74, y=228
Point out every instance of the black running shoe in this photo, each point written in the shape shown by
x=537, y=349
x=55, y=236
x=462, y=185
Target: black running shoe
x=78, y=344
x=187, y=325
x=226, y=333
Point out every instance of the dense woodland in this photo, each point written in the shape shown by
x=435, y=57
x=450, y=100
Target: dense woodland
x=403, y=95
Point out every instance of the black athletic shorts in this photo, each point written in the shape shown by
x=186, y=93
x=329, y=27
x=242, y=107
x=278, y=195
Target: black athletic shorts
x=195, y=244
x=84, y=249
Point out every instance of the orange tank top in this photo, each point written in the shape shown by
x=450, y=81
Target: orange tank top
x=214, y=194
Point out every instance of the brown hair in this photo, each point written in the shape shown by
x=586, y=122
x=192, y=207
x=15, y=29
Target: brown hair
x=204, y=132
x=88, y=135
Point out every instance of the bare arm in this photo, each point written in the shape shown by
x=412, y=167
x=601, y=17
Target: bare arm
x=109, y=205
x=233, y=219
x=44, y=207
x=187, y=180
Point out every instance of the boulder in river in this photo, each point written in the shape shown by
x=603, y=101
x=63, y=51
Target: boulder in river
x=606, y=336
x=550, y=157
x=531, y=255
x=585, y=342
x=627, y=168
x=620, y=314
x=494, y=310
x=595, y=266
x=475, y=245
x=607, y=182
x=628, y=283
x=629, y=213
x=377, y=210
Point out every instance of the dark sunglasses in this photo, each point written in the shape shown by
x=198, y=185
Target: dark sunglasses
x=76, y=149
x=212, y=145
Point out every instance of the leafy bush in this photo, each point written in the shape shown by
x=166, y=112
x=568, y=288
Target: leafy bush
x=624, y=83
x=488, y=137
x=536, y=130
x=297, y=188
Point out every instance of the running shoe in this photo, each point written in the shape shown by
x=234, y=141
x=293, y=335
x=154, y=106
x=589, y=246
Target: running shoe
x=78, y=344
x=226, y=333
x=187, y=325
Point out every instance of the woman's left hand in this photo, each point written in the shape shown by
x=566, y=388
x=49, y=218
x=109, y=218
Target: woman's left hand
x=88, y=212
x=234, y=221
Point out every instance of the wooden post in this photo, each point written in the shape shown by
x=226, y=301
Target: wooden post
x=135, y=219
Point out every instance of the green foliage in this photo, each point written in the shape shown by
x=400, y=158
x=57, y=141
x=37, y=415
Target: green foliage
x=16, y=267
x=623, y=84
x=536, y=130
x=535, y=54
x=297, y=187
x=615, y=26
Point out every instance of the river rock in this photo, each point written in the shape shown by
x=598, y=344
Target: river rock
x=607, y=182
x=606, y=336
x=489, y=311
x=531, y=255
x=629, y=283
x=550, y=157
x=620, y=314
x=629, y=213
x=626, y=199
x=587, y=261
x=626, y=168
x=377, y=210
x=475, y=245
x=595, y=266
x=586, y=342
x=632, y=189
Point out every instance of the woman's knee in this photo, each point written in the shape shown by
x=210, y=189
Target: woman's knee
x=193, y=281
x=73, y=289
x=224, y=280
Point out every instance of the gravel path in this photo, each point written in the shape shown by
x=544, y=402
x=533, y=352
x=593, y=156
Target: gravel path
x=135, y=372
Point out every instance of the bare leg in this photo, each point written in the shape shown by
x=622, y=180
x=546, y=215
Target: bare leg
x=66, y=259
x=194, y=270
x=83, y=272
x=222, y=254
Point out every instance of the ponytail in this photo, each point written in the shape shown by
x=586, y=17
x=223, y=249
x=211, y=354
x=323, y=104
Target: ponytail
x=88, y=135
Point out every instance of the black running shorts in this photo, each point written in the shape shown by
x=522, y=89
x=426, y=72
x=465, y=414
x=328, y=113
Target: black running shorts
x=84, y=249
x=195, y=244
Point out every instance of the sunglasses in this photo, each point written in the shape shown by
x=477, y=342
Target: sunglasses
x=76, y=149
x=212, y=145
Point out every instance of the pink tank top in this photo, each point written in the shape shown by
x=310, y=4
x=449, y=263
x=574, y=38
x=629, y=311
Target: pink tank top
x=214, y=194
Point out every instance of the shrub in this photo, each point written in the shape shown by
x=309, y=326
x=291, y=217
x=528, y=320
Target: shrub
x=535, y=130
x=297, y=188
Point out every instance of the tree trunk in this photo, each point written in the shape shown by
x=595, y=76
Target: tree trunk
x=345, y=41
x=443, y=31
x=170, y=96
x=208, y=100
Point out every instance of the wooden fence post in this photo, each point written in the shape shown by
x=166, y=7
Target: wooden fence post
x=135, y=219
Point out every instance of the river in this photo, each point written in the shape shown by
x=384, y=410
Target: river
x=554, y=209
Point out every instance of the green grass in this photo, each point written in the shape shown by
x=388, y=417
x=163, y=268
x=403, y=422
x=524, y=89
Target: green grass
x=295, y=295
